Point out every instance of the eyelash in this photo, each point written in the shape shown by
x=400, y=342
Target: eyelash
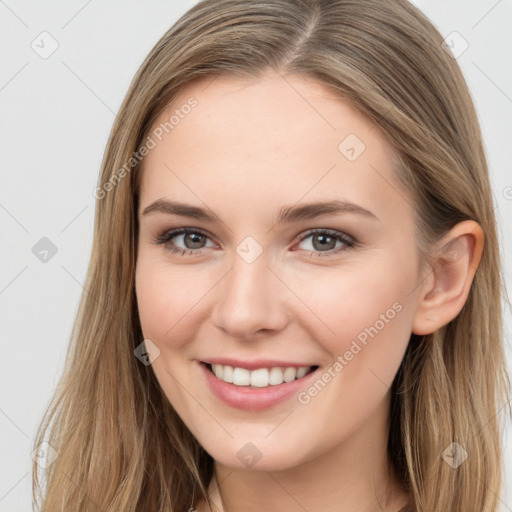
x=167, y=236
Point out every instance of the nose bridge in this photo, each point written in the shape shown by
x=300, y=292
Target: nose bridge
x=250, y=297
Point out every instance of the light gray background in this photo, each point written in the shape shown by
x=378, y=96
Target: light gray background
x=56, y=116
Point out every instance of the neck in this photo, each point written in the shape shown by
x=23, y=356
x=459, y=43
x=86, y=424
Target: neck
x=355, y=476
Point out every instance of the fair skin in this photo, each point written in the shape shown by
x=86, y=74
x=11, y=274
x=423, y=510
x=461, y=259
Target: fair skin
x=248, y=149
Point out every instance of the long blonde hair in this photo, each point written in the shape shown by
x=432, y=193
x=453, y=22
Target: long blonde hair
x=120, y=445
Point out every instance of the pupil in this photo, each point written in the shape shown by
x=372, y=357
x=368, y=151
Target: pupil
x=195, y=239
x=325, y=241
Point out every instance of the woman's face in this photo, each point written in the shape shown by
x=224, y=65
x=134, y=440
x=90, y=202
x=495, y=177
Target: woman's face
x=300, y=253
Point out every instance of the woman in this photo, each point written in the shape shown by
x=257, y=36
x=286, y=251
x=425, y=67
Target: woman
x=293, y=300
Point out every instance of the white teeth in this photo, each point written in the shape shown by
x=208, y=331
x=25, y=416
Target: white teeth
x=302, y=371
x=260, y=378
x=227, y=374
x=289, y=374
x=276, y=376
x=241, y=377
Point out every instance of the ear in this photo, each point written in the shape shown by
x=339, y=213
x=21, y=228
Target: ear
x=444, y=291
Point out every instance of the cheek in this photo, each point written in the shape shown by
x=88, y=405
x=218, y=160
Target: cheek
x=366, y=315
x=168, y=307
x=371, y=323
x=167, y=300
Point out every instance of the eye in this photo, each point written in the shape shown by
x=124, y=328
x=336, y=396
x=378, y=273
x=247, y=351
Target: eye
x=193, y=240
x=325, y=241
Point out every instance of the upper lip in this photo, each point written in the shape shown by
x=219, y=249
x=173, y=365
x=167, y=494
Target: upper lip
x=254, y=364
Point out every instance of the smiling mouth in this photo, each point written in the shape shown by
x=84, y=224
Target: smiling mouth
x=259, y=378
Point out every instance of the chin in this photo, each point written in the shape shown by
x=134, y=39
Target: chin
x=257, y=456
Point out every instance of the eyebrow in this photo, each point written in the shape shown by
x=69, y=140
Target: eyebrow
x=287, y=214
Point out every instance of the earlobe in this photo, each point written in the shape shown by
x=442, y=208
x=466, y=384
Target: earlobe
x=445, y=291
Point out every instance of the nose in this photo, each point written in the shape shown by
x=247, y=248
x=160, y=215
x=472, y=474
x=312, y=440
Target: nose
x=250, y=299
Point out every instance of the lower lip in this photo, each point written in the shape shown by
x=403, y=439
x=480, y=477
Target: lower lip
x=253, y=399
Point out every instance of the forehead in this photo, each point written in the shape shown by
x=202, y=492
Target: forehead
x=274, y=139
